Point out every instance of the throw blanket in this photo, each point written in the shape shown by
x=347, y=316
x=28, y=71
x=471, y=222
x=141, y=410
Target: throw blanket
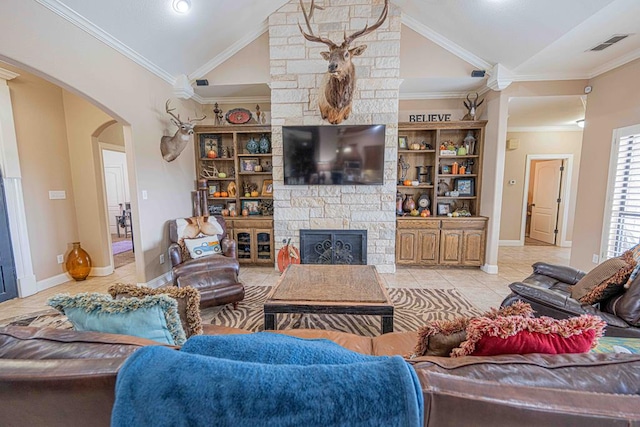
x=158, y=386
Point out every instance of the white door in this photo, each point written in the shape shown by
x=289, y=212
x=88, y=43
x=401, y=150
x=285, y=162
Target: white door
x=544, y=210
x=115, y=181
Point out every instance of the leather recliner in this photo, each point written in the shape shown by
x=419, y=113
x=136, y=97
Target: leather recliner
x=214, y=276
x=548, y=290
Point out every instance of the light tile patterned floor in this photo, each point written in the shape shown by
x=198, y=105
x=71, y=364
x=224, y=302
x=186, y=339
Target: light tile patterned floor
x=484, y=290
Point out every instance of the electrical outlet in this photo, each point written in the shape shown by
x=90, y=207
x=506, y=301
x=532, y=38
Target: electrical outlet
x=161, y=258
x=595, y=259
x=60, y=259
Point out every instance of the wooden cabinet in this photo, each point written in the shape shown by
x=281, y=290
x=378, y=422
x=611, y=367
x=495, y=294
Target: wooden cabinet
x=254, y=240
x=441, y=166
x=436, y=241
x=238, y=179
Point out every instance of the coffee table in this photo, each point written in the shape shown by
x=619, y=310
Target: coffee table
x=329, y=289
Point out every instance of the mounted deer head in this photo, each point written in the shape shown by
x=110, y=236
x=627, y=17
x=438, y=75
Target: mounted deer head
x=172, y=146
x=336, y=91
x=472, y=106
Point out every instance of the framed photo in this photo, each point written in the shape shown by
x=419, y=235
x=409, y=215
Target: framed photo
x=248, y=164
x=231, y=206
x=267, y=187
x=251, y=206
x=465, y=187
x=403, y=142
x=446, y=169
x=210, y=142
x=212, y=189
x=215, y=209
x=444, y=208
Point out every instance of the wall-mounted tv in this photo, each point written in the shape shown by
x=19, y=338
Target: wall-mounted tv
x=333, y=155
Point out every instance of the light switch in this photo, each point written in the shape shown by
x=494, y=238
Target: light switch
x=57, y=195
x=145, y=196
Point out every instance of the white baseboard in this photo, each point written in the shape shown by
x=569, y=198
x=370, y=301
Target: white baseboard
x=27, y=286
x=101, y=271
x=50, y=282
x=510, y=243
x=489, y=269
x=158, y=281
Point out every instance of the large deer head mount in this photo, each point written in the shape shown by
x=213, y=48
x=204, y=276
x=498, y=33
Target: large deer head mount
x=336, y=91
x=172, y=146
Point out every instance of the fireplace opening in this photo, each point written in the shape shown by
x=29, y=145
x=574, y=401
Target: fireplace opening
x=333, y=247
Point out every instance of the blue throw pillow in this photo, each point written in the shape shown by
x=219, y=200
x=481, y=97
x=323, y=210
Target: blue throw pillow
x=154, y=317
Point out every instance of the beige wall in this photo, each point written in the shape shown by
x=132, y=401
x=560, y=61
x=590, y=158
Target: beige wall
x=113, y=134
x=612, y=104
x=249, y=65
x=515, y=165
x=44, y=160
x=72, y=58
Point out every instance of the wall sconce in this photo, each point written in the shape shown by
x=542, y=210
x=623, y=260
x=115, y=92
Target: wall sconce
x=181, y=6
x=580, y=123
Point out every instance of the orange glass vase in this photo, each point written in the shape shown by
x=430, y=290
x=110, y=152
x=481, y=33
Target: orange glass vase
x=78, y=262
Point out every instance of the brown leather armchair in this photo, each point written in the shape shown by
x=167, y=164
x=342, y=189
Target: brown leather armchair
x=214, y=276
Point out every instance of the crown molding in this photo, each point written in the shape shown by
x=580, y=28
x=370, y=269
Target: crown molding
x=7, y=75
x=231, y=99
x=618, y=62
x=548, y=77
x=445, y=43
x=411, y=96
x=89, y=27
x=567, y=128
x=229, y=52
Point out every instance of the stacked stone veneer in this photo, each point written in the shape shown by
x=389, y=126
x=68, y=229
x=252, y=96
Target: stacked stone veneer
x=296, y=72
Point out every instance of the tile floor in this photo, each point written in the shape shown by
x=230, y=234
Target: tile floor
x=484, y=290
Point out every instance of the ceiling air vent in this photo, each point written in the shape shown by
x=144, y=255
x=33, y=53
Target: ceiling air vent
x=605, y=44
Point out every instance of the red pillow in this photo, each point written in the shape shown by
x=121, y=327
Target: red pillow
x=523, y=335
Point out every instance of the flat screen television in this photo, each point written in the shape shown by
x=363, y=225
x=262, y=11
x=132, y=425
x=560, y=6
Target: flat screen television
x=333, y=155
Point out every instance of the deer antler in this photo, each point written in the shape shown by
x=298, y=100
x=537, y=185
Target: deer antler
x=196, y=120
x=310, y=36
x=367, y=29
x=169, y=111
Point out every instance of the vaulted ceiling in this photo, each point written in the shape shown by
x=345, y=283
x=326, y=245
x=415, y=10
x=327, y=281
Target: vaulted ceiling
x=527, y=40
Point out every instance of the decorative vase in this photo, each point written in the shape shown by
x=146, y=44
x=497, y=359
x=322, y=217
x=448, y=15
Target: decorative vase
x=399, y=210
x=78, y=262
x=265, y=145
x=409, y=204
x=252, y=146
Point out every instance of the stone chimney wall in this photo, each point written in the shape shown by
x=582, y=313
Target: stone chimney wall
x=296, y=72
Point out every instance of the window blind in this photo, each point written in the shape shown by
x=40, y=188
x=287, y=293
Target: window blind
x=624, y=225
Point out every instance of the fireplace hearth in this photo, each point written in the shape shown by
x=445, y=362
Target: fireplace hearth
x=333, y=247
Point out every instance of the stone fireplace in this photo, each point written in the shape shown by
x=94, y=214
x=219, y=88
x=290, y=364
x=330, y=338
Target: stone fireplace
x=296, y=72
x=333, y=247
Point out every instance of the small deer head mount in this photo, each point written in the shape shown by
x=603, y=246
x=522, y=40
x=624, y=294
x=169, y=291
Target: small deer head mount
x=336, y=91
x=472, y=106
x=172, y=146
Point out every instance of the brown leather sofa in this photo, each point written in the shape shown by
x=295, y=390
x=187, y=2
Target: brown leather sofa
x=52, y=377
x=548, y=290
x=214, y=276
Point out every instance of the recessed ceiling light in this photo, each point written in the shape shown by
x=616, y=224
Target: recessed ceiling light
x=580, y=123
x=181, y=6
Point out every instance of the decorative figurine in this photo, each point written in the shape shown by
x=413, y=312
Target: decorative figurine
x=258, y=112
x=218, y=114
x=404, y=167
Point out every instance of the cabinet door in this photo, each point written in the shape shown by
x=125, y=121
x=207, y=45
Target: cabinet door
x=428, y=246
x=473, y=247
x=263, y=239
x=451, y=247
x=245, y=241
x=407, y=247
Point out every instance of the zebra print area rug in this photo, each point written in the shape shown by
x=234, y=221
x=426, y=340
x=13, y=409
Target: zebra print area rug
x=413, y=308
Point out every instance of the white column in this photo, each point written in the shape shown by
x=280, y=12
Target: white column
x=10, y=166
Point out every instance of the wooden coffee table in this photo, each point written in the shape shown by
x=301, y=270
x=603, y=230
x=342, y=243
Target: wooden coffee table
x=329, y=289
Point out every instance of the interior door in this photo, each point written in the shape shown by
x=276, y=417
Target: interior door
x=8, y=282
x=115, y=180
x=544, y=210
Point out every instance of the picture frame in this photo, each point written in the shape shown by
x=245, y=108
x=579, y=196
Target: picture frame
x=465, y=187
x=248, y=164
x=231, y=206
x=403, y=142
x=444, y=208
x=267, y=187
x=215, y=209
x=210, y=141
x=252, y=206
x=446, y=169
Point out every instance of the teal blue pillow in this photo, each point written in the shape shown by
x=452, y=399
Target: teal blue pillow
x=154, y=317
